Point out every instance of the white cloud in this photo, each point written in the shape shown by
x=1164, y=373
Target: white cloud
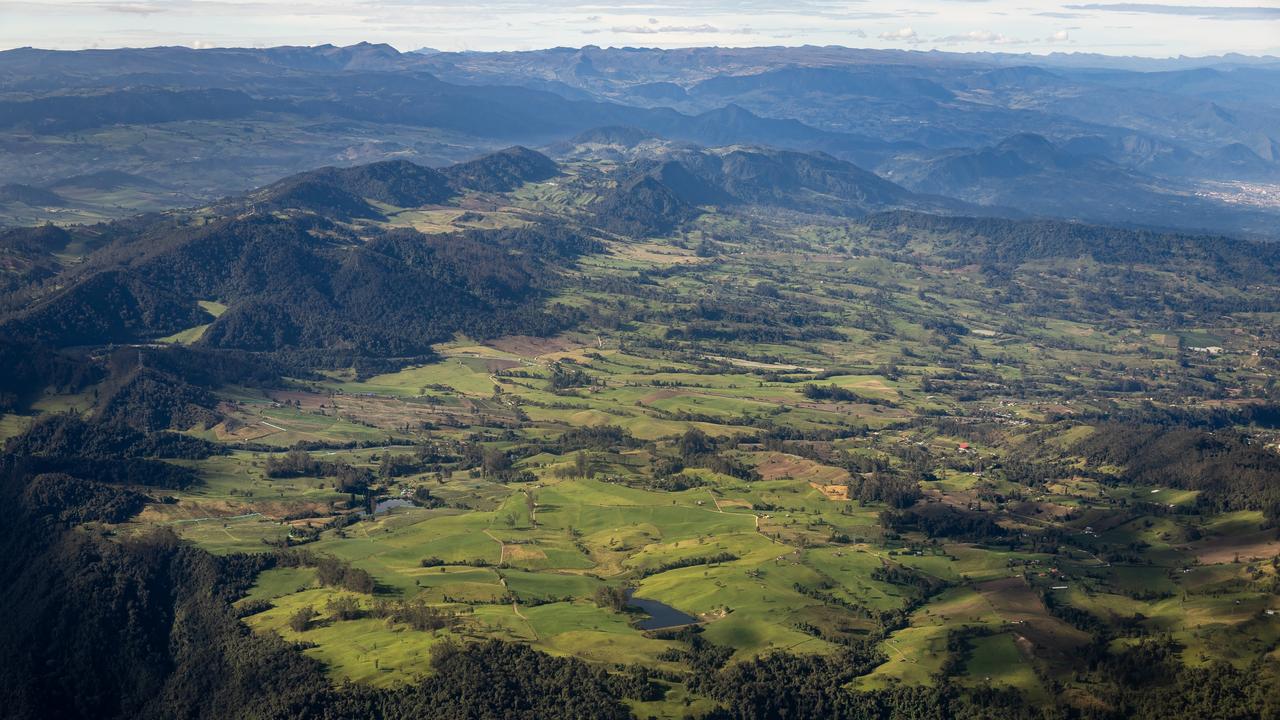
x=905, y=34
x=989, y=37
x=1250, y=12
x=655, y=29
x=132, y=8
x=985, y=37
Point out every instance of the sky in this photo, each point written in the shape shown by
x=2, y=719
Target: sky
x=1200, y=27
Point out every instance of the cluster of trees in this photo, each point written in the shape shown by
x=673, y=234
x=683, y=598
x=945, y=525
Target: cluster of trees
x=715, y=559
x=639, y=206
x=304, y=283
x=895, y=574
x=72, y=501
x=338, y=573
x=1230, y=471
x=968, y=240
x=781, y=685
x=565, y=378
x=31, y=367
x=144, y=628
x=829, y=392
x=107, y=453
x=151, y=400
x=541, y=240
x=599, y=438
x=111, y=306
x=702, y=656
x=414, y=613
x=696, y=449
x=296, y=463
x=761, y=329
x=502, y=171
x=613, y=597
x=940, y=521
x=299, y=463
x=127, y=627
x=393, y=465
x=668, y=476
x=894, y=490
x=67, y=434
x=1148, y=680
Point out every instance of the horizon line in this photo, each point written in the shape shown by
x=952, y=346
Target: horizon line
x=425, y=50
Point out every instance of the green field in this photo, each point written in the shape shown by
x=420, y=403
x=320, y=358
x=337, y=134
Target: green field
x=822, y=438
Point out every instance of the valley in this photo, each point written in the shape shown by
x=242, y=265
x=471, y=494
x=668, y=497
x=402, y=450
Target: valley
x=807, y=433
x=610, y=383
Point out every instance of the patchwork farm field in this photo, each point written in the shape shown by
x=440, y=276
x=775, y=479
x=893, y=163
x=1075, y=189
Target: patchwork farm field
x=763, y=438
x=777, y=492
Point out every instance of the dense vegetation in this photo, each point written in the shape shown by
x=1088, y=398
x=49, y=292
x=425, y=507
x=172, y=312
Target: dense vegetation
x=602, y=440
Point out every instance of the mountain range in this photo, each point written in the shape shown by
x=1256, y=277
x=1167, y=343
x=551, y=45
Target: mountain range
x=1181, y=145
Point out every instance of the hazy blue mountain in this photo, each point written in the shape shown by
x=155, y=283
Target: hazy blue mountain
x=14, y=192
x=1182, y=143
x=1074, y=181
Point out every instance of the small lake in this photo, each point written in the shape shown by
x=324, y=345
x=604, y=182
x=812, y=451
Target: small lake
x=661, y=615
x=390, y=504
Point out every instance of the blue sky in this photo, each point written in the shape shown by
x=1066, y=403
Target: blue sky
x=1202, y=27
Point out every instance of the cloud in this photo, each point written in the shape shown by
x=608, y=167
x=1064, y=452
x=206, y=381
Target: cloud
x=989, y=37
x=132, y=8
x=1203, y=11
x=979, y=36
x=656, y=29
x=905, y=34
x=985, y=37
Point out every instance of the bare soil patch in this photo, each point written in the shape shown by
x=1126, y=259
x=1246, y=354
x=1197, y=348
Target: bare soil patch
x=522, y=552
x=529, y=346
x=1259, y=545
x=1049, y=637
x=777, y=466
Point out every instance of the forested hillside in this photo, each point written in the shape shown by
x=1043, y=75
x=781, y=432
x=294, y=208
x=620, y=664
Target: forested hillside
x=645, y=429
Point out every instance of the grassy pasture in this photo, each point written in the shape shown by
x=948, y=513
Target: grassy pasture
x=957, y=409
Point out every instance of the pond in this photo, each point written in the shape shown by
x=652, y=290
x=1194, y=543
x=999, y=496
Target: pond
x=390, y=504
x=660, y=614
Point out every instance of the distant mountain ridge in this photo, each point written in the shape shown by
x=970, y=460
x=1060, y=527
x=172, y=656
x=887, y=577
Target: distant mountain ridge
x=15, y=192
x=1184, y=138
x=502, y=171
x=652, y=194
x=346, y=192
x=1072, y=181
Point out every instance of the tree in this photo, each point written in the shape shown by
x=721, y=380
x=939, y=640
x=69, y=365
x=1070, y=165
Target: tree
x=344, y=607
x=494, y=461
x=300, y=621
x=531, y=505
x=694, y=442
x=611, y=596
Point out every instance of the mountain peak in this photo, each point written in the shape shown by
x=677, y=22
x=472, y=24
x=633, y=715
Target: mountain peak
x=502, y=171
